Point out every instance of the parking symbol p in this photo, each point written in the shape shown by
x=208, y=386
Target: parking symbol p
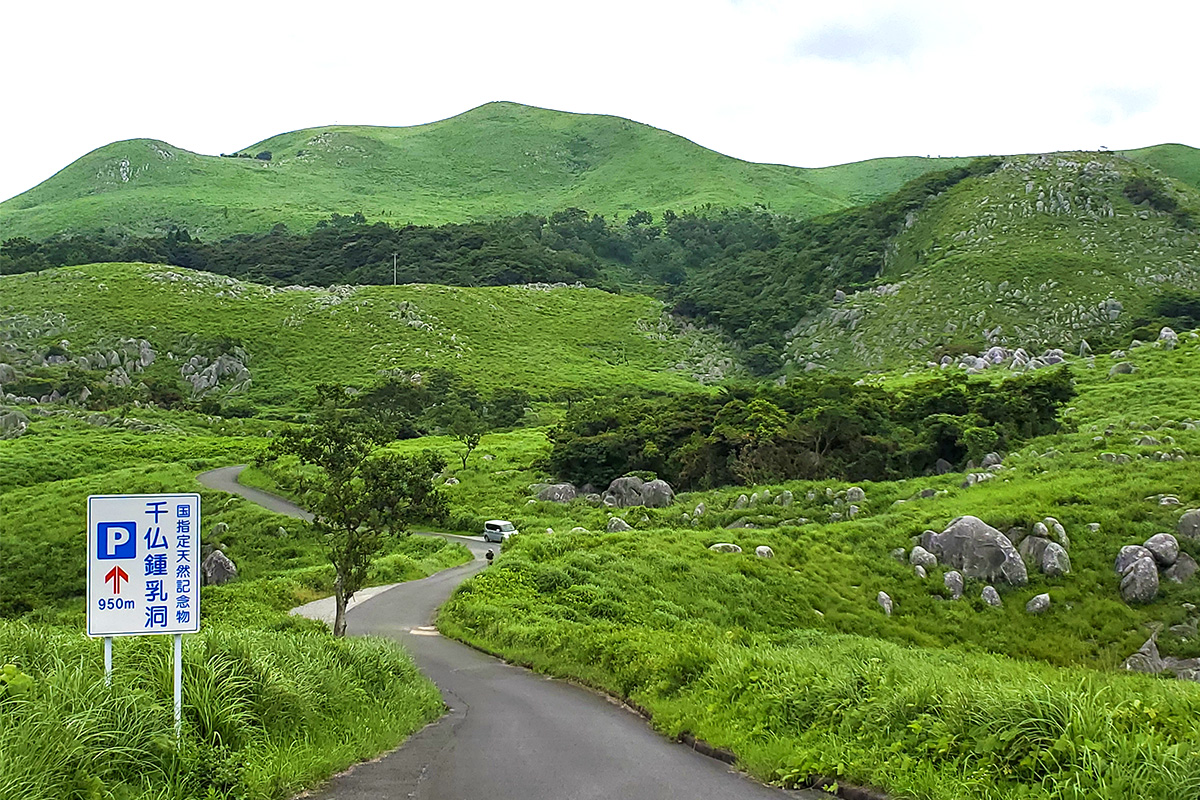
x=116, y=540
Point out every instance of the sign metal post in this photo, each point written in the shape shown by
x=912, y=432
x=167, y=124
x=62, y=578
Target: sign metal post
x=143, y=573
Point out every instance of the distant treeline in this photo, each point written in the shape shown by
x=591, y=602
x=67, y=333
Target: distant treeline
x=750, y=271
x=812, y=428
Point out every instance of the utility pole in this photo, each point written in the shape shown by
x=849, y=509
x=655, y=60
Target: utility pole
x=393, y=269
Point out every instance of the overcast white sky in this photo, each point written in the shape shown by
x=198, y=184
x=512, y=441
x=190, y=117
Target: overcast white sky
x=801, y=83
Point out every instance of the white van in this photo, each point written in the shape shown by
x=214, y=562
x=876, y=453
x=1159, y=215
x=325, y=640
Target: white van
x=497, y=530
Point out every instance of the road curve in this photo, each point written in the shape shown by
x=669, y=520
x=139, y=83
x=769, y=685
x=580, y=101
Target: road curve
x=510, y=734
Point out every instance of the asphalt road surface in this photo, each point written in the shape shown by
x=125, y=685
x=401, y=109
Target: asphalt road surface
x=509, y=734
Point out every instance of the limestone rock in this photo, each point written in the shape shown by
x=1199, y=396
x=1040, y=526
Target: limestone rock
x=741, y=502
x=785, y=498
x=942, y=466
x=979, y=550
x=1164, y=547
x=218, y=569
x=1055, y=560
x=920, y=572
x=1129, y=554
x=1146, y=659
x=701, y=509
x=762, y=551
x=1139, y=581
x=899, y=554
x=953, y=581
x=1032, y=548
x=1057, y=532
x=740, y=524
x=625, y=491
x=558, y=493
x=220, y=529
x=991, y=596
x=725, y=547
x=1182, y=570
x=1123, y=368
x=13, y=423
x=618, y=525
x=451, y=481
x=991, y=460
x=885, y=602
x=920, y=557
x=1189, y=524
x=855, y=495
x=630, y=490
x=1038, y=604
x=657, y=494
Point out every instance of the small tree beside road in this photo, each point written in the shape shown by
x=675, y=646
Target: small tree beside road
x=358, y=496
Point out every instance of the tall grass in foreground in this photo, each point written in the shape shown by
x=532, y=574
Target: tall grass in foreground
x=266, y=713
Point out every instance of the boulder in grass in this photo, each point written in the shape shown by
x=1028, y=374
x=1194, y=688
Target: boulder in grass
x=1189, y=524
x=618, y=525
x=763, y=551
x=991, y=596
x=657, y=494
x=558, y=493
x=855, y=495
x=218, y=569
x=1164, y=547
x=885, y=602
x=977, y=549
x=1038, y=604
x=1182, y=570
x=625, y=492
x=1129, y=554
x=1139, y=581
x=725, y=547
x=953, y=581
x=920, y=557
x=1055, y=560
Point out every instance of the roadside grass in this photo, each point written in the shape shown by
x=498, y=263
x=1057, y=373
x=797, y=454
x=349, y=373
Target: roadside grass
x=266, y=713
x=730, y=648
x=272, y=703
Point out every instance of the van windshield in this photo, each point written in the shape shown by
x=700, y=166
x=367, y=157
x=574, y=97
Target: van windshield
x=507, y=526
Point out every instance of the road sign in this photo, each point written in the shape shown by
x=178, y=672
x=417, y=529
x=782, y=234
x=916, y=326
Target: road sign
x=143, y=564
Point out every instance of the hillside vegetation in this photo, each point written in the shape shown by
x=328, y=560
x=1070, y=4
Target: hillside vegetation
x=269, y=346
x=792, y=664
x=495, y=160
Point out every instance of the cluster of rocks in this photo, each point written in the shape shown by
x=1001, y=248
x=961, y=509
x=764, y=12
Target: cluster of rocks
x=1045, y=547
x=762, y=551
x=977, y=551
x=624, y=492
x=1148, y=660
x=1142, y=567
x=13, y=423
x=205, y=375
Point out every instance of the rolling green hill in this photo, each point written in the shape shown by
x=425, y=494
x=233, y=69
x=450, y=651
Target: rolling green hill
x=1044, y=252
x=535, y=337
x=497, y=159
x=1175, y=160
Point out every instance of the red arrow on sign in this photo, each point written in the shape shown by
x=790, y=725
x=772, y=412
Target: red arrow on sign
x=116, y=575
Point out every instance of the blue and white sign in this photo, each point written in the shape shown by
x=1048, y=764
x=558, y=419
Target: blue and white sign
x=143, y=565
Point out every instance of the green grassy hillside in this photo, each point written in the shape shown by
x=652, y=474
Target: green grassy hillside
x=498, y=159
x=1044, y=252
x=540, y=339
x=1176, y=160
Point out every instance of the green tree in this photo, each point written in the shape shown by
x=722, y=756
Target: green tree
x=358, y=496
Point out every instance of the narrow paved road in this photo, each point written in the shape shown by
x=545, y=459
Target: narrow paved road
x=510, y=734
